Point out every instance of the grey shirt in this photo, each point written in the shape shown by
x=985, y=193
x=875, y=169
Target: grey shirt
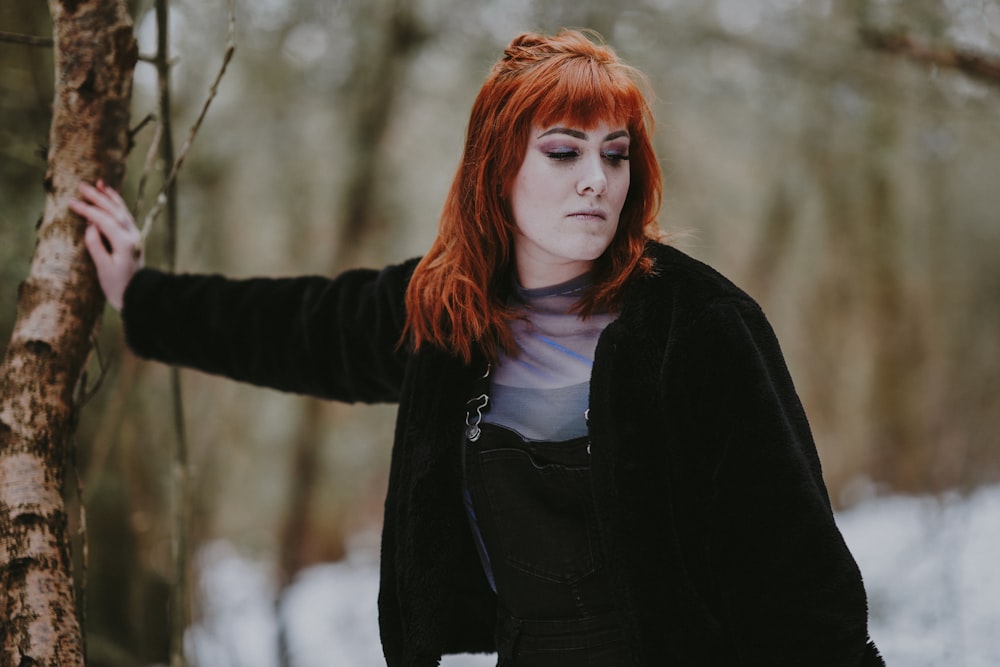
x=542, y=391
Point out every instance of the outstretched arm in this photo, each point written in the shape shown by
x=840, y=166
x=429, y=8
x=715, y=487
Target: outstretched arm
x=112, y=238
x=335, y=338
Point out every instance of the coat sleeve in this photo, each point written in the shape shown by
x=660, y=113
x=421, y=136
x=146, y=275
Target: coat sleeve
x=333, y=338
x=789, y=589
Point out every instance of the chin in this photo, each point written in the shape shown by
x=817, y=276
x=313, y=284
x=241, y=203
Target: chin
x=593, y=251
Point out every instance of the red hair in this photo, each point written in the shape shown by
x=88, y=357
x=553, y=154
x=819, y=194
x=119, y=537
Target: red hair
x=457, y=296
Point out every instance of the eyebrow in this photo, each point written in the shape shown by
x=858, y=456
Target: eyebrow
x=581, y=135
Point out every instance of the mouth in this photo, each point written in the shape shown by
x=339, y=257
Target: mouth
x=589, y=214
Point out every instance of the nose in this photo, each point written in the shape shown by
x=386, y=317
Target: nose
x=592, y=179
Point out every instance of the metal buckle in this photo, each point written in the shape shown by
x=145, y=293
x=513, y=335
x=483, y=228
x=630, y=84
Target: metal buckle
x=472, y=430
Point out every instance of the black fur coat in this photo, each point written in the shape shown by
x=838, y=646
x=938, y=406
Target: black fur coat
x=722, y=542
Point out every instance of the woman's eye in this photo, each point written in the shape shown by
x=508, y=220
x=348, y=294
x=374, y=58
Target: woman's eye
x=562, y=154
x=615, y=156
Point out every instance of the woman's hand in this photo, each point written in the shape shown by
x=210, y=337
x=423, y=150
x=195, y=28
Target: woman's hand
x=112, y=238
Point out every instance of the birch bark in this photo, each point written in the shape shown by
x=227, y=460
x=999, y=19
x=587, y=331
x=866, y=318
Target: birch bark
x=57, y=310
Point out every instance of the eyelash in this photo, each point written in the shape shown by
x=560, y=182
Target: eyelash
x=564, y=156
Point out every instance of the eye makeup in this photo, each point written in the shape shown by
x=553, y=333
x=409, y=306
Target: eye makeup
x=554, y=144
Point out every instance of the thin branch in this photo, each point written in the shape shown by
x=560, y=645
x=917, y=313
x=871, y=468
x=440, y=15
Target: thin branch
x=152, y=60
x=163, y=142
x=180, y=599
x=972, y=63
x=147, y=168
x=85, y=393
x=27, y=40
x=83, y=536
x=138, y=128
x=161, y=199
x=82, y=394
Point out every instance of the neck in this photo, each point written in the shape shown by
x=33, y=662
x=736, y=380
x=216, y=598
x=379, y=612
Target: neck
x=531, y=276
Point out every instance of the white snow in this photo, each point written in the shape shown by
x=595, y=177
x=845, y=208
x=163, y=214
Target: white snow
x=930, y=568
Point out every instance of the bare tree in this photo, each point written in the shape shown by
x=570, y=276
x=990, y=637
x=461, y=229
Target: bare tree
x=58, y=308
x=381, y=65
x=977, y=65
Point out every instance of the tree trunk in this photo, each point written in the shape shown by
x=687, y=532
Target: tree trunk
x=58, y=306
x=381, y=64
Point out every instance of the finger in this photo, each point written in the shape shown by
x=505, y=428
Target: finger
x=95, y=197
x=104, y=215
x=110, y=228
x=97, y=245
x=112, y=193
x=110, y=201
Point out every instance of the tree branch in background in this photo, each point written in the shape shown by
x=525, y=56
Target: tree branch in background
x=180, y=596
x=27, y=40
x=161, y=200
x=974, y=64
x=380, y=65
x=163, y=143
x=147, y=169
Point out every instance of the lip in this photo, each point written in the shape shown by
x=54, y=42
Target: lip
x=589, y=213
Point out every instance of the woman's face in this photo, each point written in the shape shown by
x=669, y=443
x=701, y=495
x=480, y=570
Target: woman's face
x=566, y=200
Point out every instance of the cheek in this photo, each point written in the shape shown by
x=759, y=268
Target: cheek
x=621, y=190
x=526, y=195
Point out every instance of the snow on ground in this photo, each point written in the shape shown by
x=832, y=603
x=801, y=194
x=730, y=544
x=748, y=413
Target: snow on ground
x=931, y=570
x=930, y=567
x=330, y=613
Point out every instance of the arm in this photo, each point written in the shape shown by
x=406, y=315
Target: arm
x=790, y=591
x=333, y=338
x=330, y=338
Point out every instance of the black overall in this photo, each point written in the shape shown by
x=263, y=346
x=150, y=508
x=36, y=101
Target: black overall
x=533, y=511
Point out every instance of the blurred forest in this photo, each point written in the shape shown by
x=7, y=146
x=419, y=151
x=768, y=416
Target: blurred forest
x=854, y=191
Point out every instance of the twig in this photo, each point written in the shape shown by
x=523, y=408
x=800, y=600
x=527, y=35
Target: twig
x=181, y=612
x=84, y=393
x=82, y=396
x=151, y=59
x=147, y=168
x=27, y=40
x=180, y=615
x=84, y=544
x=161, y=199
x=974, y=64
x=138, y=128
x=180, y=600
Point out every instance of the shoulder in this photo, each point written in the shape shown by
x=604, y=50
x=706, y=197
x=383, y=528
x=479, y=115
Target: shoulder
x=394, y=276
x=692, y=313
x=387, y=284
x=678, y=291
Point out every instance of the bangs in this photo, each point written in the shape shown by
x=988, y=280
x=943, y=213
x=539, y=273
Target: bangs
x=583, y=93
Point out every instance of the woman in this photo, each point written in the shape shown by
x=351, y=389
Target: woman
x=599, y=455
